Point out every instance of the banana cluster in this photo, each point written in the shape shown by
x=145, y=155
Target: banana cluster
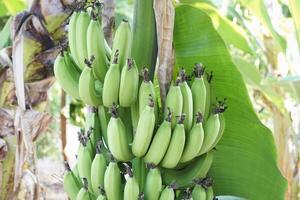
x=131, y=147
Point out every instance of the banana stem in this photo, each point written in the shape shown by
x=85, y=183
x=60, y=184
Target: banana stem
x=198, y=70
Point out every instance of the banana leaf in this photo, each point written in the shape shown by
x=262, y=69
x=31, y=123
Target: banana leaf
x=245, y=162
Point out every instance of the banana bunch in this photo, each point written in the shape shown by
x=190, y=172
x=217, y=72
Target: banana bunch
x=131, y=147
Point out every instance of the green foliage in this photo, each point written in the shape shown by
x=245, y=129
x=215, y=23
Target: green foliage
x=246, y=163
x=11, y=7
x=5, y=34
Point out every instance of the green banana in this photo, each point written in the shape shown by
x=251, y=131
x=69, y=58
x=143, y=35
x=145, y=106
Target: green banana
x=146, y=89
x=126, y=118
x=70, y=183
x=72, y=36
x=221, y=130
x=108, y=50
x=144, y=46
x=139, y=171
x=92, y=128
x=134, y=112
x=131, y=189
x=197, y=169
x=199, y=192
x=194, y=140
x=212, y=129
x=122, y=41
x=112, y=181
x=160, y=142
x=102, y=195
x=89, y=87
x=97, y=170
x=144, y=131
x=117, y=137
x=153, y=185
x=84, y=162
x=207, y=80
x=174, y=101
x=187, y=106
x=167, y=194
x=67, y=75
x=209, y=193
x=82, y=23
x=83, y=193
x=176, y=146
x=76, y=174
x=96, y=48
x=102, y=113
x=112, y=83
x=129, y=84
x=199, y=91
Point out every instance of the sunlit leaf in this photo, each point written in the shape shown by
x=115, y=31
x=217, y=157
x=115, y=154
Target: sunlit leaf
x=15, y=6
x=246, y=163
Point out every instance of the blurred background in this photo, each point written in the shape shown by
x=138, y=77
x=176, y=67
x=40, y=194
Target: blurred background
x=267, y=34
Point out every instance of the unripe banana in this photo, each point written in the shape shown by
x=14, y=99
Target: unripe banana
x=167, y=194
x=67, y=75
x=92, y=128
x=144, y=131
x=83, y=193
x=82, y=23
x=174, y=101
x=211, y=129
x=112, y=181
x=97, y=170
x=131, y=189
x=76, y=174
x=221, y=130
x=102, y=113
x=108, y=50
x=129, y=84
x=207, y=80
x=134, y=111
x=96, y=48
x=146, y=89
x=199, y=192
x=89, y=87
x=101, y=197
x=117, y=137
x=198, y=168
x=70, y=183
x=199, y=91
x=194, y=140
x=111, y=83
x=122, y=42
x=84, y=163
x=139, y=171
x=153, y=185
x=187, y=106
x=160, y=141
x=126, y=118
x=209, y=193
x=176, y=146
x=72, y=36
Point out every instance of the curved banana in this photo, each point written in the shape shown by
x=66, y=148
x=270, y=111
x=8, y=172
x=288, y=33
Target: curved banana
x=212, y=129
x=199, y=91
x=67, y=75
x=117, y=137
x=199, y=192
x=131, y=189
x=167, y=194
x=160, y=142
x=153, y=185
x=176, y=146
x=187, y=106
x=112, y=181
x=221, y=130
x=97, y=170
x=129, y=84
x=83, y=193
x=111, y=83
x=102, y=113
x=194, y=140
x=174, y=101
x=146, y=89
x=72, y=36
x=89, y=87
x=184, y=177
x=122, y=42
x=207, y=80
x=70, y=183
x=144, y=130
x=82, y=24
x=84, y=163
x=96, y=48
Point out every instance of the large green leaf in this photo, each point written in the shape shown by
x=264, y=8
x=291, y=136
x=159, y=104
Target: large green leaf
x=230, y=32
x=245, y=163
